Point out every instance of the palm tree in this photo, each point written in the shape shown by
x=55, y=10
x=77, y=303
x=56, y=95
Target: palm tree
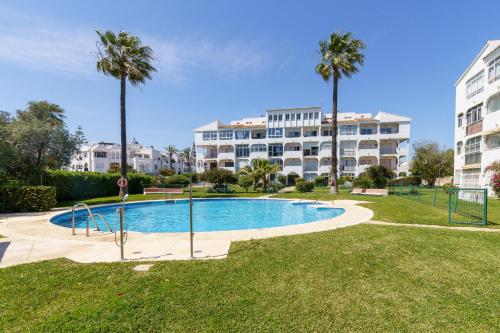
x=187, y=157
x=260, y=170
x=123, y=57
x=340, y=56
x=171, y=151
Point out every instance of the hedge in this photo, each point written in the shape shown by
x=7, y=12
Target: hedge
x=180, y=180
x=26, y=198
x=405, y=181
x=304, y=186
x=76, y=185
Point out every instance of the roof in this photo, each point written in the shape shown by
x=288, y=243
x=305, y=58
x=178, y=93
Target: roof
x=389, y=117
x=487, y=49
x=213, y=126
x=301, y=108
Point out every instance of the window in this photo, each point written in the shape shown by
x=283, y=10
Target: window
x=293, y=116
x=287, y=116
x=326, y=132
x=474, y=114
x=459, y=147
x=295, y=133
x=241, y=135
x=270, y=117
x=100, y=154
x=280, y=117
x=366, y=131
x=242, y=151
x=310, y=115
x=316, y=115
x=226, y=135
x=387, y=130
x=305, y=116
x=258, y=148
x=275, y=149
x=475, y=84
x=350, y=130
x=473, y=150
x=275, y=117
x=275, y=132
x=494, y=104
x=460, y=119
x=209, y=135
x=470, y=178
x=298, y=116
x=228, y=164
x=308, y=133
x=494, y=69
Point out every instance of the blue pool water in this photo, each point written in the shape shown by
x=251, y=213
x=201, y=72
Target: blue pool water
x=208, y=215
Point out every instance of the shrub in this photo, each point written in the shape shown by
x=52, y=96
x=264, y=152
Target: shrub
x=347, y=185
x=320, y=181
x=495, y=183
x=220, y=188
x=76, y=185
x=363, y=182
x=341, y=181
x=219, y=176
x=167, y=172
x=180, y=180
x=299, y=180
x=405, y=181
x=192, y=175
x=245, y=181
x=282, y=179
x=446, y=187
x=15, y=198
x=304, y=186
x=379, y=175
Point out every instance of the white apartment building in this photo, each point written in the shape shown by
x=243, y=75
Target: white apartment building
x=477, y=118
x=100, y=156
x=299, y=141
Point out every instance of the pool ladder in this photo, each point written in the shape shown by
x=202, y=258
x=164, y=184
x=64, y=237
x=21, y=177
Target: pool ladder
x=92, y=217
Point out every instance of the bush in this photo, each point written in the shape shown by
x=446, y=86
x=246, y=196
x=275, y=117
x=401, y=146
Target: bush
x=363, y=182
x=76, y=185
x=495, y=183
x=245, y=181
x=320, y=181
x=192, y=175
x=341, y=181
x=446, y=187
x=299, y=180
x=15, y=198
x=304, y=186
x=180, y=180
x=221, y=188
x=167, y=172
x=219, y=176
x=379, y=175
x=406, y=181
x=282, y=179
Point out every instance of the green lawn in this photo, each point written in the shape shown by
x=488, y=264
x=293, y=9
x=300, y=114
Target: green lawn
x=362, y=278
x=401, y=209
x=198, y=192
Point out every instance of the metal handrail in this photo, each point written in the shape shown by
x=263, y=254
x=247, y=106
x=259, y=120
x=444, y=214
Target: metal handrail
x=91, y=216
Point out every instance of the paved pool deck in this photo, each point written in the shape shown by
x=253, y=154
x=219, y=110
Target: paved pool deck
x=32, y=237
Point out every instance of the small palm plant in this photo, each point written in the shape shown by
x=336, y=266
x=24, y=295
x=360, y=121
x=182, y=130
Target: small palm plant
x=340, y=56
x=171, y=151
x=124, y=57
x=260, y=170
x=187, y=157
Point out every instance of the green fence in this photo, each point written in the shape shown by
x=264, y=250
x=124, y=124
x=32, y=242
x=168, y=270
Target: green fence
x=468, y=205
x=464, y=205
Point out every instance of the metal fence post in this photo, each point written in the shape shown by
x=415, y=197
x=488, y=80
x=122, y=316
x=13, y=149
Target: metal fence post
x=191, y=219
x=122, y=250
x=434, y=196
x=485, y=206
x=449, y=206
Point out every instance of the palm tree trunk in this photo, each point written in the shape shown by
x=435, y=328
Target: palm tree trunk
x=123, y=129
x=333, y=181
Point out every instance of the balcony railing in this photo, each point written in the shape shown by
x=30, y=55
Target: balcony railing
x=308, y=152
x=210, y=155
x=311, y=168
x=348, y=168
x=388, y=150
x=474, y=128
x=347, y=152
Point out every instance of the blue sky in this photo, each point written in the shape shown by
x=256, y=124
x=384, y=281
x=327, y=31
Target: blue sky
x=231, y=59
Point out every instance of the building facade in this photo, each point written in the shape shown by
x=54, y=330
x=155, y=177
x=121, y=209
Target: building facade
x=99, y=157
x=477, y=118
x=299, y=141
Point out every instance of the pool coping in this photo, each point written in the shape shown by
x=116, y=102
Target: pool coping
x=49, y=240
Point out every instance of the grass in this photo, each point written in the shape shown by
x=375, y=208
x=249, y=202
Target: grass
x=401, y=209
x=362, y=278
x=198, y=192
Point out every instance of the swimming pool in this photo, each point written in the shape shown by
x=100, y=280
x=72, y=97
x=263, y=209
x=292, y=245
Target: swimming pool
x=208, y=215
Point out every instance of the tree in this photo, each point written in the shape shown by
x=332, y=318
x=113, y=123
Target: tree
x=193, y=154
x=245, y=182
x=80, y=138
x=260, y=170
x=430, y=162
x=40, y=140
x=170, y=151
x=187, y=157
x=340, y=55
x=219, y=176
x=8, y=155
x=123, y=57
x=379, y=174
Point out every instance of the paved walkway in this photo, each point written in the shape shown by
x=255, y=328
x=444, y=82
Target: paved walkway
x=432, y=226
x=31, y=237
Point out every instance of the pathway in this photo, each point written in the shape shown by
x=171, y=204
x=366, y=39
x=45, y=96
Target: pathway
x=432, y=226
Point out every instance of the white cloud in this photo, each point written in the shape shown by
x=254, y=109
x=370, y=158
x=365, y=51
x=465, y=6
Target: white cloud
x=70, y=51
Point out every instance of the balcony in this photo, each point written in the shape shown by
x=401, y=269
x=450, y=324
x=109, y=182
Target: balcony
x=388, y=150
x=210, y=155
x=311, y=168
x=348, y=168
x=311, y=152
x=473, y=158
x=474, y=128
x=226, y=155
x=292, y=154
x=347, y=152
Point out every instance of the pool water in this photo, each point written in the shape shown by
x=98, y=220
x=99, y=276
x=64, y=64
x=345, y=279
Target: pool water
x=208, y=215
